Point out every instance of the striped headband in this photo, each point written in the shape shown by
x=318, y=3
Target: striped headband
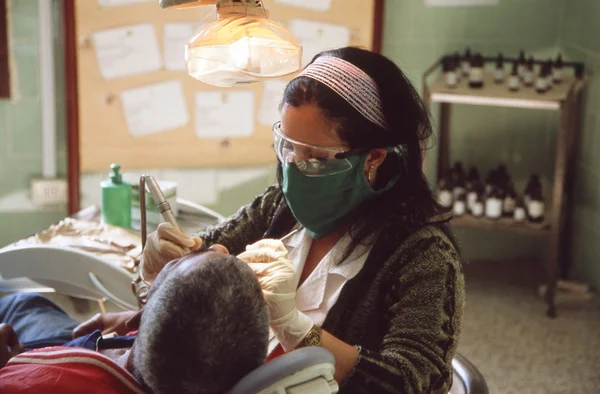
x=350, y=83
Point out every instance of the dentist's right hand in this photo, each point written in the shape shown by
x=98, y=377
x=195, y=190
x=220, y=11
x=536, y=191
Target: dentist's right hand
x=163, y=245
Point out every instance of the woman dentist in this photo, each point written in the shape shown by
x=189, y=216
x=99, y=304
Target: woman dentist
x=373, y=274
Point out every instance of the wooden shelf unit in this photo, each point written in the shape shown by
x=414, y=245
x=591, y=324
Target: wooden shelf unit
x=563, y=97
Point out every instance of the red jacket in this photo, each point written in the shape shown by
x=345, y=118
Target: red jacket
x=65, y=370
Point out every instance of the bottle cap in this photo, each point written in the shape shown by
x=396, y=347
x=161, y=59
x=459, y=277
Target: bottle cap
x=115, y=173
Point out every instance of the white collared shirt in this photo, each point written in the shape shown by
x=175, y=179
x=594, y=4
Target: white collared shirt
x=321, y=290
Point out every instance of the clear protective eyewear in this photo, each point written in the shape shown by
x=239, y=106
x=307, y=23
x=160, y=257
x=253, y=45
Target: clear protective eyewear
x=312, y=160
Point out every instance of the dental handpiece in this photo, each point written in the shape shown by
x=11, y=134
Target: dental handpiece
x=163, y=206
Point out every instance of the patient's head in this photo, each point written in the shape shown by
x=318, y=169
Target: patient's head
x=204, y=327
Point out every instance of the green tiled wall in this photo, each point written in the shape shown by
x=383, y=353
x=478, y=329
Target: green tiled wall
x=20, y=123
x=579, y=39
x=415, y=36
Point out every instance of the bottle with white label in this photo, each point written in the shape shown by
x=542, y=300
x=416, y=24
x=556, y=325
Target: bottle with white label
x=529, y=75
x=520, y=214
x=513, y=80
x=557, y=70
x=445, y=197
x=535, y=208
x=476, y=73
x=459, y=180
x=510, y=201
x=532, y=184
x=465, y=63
x=493, y=205
x=460, y=205
x=521, y=64
x=541, y=83
x=490, y=182
x=449, y=72
x=499, y=71
x=478, y=209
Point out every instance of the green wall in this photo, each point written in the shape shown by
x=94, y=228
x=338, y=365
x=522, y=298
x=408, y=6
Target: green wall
x=20, y=127
x=579, y=39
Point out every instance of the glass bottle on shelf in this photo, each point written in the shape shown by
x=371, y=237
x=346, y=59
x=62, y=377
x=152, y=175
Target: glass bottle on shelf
x=476, y=72
x=490, y=182
x=520, y=214
x=535, y=209
x=444, y=194
x=557, y=70
x=478, y=208
x=549, y=71
x=465, y=62
x=473, y=192
x=529, y=75
x=499, y=72
x=514, y=80
x=456, y=60
x=509, y=203
x=459, y=179
x=541, y=83
x=460, y=205
x=449, y=71
x=532, y=184
x=493, y=205
x=472, y=178
x=521, y=64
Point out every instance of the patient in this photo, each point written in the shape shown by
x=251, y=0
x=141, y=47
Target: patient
x=192, y=338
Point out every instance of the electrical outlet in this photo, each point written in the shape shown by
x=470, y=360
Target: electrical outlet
x=46, y=192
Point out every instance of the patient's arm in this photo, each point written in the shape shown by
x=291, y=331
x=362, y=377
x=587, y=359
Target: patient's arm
x=9, y=344
x=119, y=322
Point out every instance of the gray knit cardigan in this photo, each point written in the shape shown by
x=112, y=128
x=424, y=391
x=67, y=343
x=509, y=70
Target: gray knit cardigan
x=403, y=309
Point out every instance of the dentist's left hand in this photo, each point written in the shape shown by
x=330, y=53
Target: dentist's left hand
x=268, y=259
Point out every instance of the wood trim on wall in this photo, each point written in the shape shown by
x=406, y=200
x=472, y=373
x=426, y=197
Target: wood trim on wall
x=4, y=52
x=378, y=26
x=71, y=91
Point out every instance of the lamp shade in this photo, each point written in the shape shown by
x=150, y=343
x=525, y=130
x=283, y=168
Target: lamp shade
x=240, y=49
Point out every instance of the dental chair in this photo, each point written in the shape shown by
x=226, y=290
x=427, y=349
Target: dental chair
x=310, y=371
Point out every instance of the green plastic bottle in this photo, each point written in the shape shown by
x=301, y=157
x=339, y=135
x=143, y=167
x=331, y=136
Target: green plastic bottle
x=116, y=199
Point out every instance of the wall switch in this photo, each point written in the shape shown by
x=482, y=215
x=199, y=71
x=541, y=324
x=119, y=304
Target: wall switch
x=45, y=192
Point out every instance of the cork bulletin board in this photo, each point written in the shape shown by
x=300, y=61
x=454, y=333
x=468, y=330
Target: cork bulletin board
x=137, y=106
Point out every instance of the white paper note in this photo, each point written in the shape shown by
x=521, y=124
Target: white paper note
x=459, y=3
x=126, y=51
x=176, y=37
x=224, y=114
x=268, y=112
x=315, y=5
x=117, y=3
x=155, y=108
x=316, y=37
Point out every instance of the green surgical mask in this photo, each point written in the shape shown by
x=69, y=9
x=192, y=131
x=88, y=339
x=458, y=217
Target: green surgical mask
x=322, y=204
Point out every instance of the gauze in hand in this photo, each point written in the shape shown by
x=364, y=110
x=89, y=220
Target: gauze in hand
x=268, y=259
x=163, y=245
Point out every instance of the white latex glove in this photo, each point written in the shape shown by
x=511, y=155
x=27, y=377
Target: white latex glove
x=163, y=245
x=268, y=259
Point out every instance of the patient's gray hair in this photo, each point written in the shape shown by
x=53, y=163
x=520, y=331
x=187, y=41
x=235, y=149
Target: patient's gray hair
x=202, y=332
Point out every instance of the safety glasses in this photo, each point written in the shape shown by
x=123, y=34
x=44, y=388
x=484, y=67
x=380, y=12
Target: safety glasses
x=311, y=160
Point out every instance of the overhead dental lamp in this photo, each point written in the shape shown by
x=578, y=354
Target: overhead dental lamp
x=242, y=46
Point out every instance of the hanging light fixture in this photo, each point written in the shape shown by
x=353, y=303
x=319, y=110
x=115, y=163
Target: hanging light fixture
x=242, y=46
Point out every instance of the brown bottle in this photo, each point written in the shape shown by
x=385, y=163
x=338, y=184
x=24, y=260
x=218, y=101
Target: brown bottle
x=449, y=70
x=444, y=194
x=514, y=81
x=510, y=201
x=460, y=205
x=528, y=76
x=520, y=213
x=493, y=205
x=557, y=70
x=535, y=209
x=521, y=64
x=541, y=83
x=478, y=208
x=476, y=72
x=499, y=71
